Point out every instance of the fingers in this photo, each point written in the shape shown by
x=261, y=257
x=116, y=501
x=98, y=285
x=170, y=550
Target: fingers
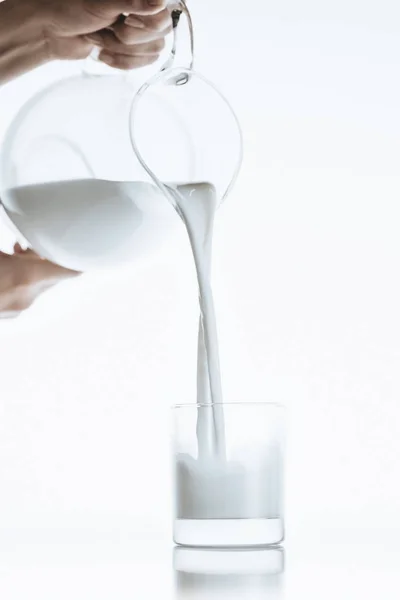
x=108, y=42
x=18, y=249
x=127, y=34
x=136, y=30
x=112, y=8
x=133, y=42
x=24, y=276
x=47, y=273
x=25, y=253
x=39, y=268
x=125, y=62
x=146, y=7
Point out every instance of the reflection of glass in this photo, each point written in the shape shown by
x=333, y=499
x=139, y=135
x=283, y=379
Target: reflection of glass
x=234, y=498
x=251, y=574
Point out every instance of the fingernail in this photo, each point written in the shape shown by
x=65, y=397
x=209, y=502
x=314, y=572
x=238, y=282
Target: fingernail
x=107, y=58
x=135, y=22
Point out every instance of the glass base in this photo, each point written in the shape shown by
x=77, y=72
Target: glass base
x=228, y=533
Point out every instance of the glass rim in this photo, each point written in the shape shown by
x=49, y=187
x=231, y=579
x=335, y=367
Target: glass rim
x=241, y=404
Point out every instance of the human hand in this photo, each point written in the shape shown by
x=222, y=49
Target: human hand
x=24, y=276
x=125, y=42
x=36, y=31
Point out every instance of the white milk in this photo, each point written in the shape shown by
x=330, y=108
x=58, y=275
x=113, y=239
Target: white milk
x=210, y=489
x=90, y=223
x=210, y=486
x=196, y=205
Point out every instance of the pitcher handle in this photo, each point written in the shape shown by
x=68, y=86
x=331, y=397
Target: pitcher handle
x=170, y=63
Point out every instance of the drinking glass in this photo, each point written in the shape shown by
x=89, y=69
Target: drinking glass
x=228, y=494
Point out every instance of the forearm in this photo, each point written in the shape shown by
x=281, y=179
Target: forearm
x=22, y=43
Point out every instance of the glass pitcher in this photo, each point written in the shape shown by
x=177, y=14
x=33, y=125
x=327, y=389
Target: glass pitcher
x=90, y=165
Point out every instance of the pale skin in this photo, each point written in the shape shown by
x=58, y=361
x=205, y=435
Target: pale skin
x=34, y=32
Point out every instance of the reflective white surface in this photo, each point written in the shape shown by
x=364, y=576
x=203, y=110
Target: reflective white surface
x=316, y=85
x=232, y=573
x=121, y=566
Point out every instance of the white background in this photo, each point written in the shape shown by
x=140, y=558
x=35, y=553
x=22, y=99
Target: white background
x=306, y=277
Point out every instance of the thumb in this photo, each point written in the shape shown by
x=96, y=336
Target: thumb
x=113, y=8
x=48, y=272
